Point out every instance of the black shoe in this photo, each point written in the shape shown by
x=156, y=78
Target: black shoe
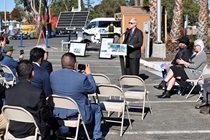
x=165, y=94
x=198, y=106
x=162, y=85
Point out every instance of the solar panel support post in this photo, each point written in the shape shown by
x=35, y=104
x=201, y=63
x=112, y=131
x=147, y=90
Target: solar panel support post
x=69, y=39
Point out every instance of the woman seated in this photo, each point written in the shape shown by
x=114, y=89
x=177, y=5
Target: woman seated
x=191, y=70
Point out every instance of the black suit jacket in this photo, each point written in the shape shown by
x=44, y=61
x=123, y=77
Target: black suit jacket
x=47, y=66
x=31, y=98
x=135, y=40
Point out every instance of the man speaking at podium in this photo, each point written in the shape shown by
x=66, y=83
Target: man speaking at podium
x=134, y=40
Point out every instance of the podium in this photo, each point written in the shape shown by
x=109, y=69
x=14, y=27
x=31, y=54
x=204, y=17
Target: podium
x=121, y=51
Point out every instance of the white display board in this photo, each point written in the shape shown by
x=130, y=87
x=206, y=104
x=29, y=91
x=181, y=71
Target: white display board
x=78, y=48
x=105, y=48
x=118, y=49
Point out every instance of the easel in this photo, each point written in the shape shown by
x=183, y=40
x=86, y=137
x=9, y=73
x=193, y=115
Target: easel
x=41, y=34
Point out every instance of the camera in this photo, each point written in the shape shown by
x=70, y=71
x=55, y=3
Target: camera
x=81, y=67
x=21, y=52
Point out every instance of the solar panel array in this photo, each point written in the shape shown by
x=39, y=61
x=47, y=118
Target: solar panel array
x=72, y=20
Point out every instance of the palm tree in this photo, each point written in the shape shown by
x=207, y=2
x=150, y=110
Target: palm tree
x=203, y=22
x=141, y=3
x=153, y=20
x=177, y=20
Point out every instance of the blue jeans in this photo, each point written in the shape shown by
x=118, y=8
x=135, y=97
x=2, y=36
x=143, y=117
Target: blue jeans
x=96, y=112
x=165, y=72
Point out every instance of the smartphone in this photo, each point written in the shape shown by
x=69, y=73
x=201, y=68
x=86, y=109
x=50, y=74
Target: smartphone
x=21, y=52
x=81, y=67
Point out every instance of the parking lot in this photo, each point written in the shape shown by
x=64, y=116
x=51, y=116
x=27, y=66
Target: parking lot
x=172, y=119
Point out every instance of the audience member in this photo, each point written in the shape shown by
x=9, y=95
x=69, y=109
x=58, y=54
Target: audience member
x=204, y=106
x=41, y=77
x=45, y=63
x=31, y=98
x=10, y=62
x=191, y=70
x=184, y=53
x=69, y=82
x=3, y=121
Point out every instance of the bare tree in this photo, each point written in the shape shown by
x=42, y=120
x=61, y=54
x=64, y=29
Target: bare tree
x=203, y=22
x=177, y=20
x=36, y=11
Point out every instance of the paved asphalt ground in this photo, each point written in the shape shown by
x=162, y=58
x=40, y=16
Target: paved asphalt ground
x=172, y=119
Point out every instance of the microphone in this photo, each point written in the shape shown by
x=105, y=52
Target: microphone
x=127, y=30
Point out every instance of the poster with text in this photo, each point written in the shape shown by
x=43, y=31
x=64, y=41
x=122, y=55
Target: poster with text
x=78, y=48
x=105, y=48
x=118, y=49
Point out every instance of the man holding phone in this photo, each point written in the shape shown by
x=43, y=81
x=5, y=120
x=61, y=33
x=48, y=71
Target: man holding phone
x=77, y=85
x=10, y=62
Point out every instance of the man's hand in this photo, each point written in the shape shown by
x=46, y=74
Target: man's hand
x=87, y=69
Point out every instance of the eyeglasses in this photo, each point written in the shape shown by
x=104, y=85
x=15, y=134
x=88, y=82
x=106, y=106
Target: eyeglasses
x=131, y=23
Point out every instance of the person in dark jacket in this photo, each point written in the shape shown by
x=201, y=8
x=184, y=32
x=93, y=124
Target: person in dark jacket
x=184, y=53
x=33, y=99
x=134, y=41
x=47, y=65
x=41, y=77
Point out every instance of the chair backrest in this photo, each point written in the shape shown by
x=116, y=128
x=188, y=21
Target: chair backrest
x=131, y=80
x=6, y=69
x=18, y=114
x=101, y=79
x=62, y=102
x=107, y=90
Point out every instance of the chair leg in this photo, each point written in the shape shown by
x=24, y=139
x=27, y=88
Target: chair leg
x=150, y=108
x=129, y=117
x=200, y=95
x=190, y=91
x=143, y=109
x=122, y=122
x=86, y=132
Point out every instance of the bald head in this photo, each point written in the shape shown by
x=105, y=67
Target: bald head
x=68, y=60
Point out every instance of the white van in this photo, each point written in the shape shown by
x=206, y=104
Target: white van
x=98, y=27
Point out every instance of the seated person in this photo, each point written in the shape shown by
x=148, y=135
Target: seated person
x=47, y=65
x=31, y=98
x=184, y=53
x=10, y=62
x=191, y=70
x=41, y=77
x=77, y=85
x=3, y=121
x=204, y=106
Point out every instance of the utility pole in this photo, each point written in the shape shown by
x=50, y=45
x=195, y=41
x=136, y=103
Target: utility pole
x=5, y=13
x=88, y=3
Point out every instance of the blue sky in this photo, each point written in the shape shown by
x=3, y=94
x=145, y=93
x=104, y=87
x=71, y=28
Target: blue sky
x=10, y=4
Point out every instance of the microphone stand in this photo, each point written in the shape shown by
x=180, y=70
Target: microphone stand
x=121, y=57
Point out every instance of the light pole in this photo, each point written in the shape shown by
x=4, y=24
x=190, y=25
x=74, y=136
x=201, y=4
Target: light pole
x=5, y=13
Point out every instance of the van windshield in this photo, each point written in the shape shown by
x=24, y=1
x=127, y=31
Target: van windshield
x=90, y=25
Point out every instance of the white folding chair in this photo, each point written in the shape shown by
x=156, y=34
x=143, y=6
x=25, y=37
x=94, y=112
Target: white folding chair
x=19, y=114
x=64, y=43
x=68, y=103
x=99, y=79
x=7, y=70
x=196, y=82
x=140, y=93
x=113, y=105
